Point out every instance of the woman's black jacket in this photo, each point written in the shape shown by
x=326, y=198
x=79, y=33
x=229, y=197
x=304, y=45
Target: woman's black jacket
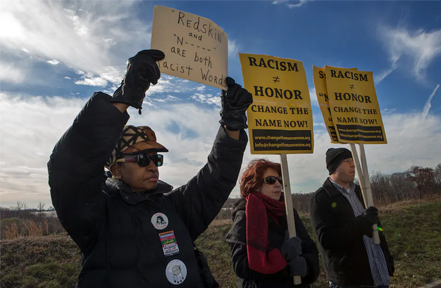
x=248, y=278
x=111, y=224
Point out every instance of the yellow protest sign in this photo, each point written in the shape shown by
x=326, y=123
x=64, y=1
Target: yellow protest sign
x=354, y=106
x=280, y=118
x=195, y=47
x=321, y=91
x=319, y=77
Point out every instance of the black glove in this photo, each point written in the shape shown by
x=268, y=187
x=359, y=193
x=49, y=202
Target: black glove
x=291, y=248
x=371, y=215
x=234, y=105
x=298, y=267
x=141, y=71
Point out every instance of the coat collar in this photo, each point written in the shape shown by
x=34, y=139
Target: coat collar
x=133, y=198
x=333, y=191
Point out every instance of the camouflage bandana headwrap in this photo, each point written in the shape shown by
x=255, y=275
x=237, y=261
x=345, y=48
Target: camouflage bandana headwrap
x=141, y=138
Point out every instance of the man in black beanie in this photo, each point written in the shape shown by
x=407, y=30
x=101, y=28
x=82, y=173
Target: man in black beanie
x=343, y=227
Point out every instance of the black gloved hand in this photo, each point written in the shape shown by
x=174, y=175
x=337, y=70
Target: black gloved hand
x=234, y=104
x=298, y=267
x=291, y=248
x=141, y=71
x=371, y=215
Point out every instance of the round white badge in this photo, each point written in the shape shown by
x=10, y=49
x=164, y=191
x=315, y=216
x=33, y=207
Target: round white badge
x=176, y=272
x=159, y=220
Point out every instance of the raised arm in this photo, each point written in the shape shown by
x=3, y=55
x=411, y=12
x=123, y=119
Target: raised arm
x=200, y=200
x=76, y=165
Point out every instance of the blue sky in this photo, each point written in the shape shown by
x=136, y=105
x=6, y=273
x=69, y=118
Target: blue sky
x=55, y=54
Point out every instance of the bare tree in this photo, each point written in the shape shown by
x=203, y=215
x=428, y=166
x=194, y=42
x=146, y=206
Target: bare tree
x=424, y=178
x=40, y=208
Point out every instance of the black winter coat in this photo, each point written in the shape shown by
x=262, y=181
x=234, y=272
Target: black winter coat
x=113, y=226
x=340, y=235
x=248, y=278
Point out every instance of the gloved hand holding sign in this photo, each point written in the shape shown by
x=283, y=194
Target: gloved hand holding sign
x=234, y=104
x=141, y=71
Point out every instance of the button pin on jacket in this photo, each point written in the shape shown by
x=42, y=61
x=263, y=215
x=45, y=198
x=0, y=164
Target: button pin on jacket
x=159, y=221
x=176, y=272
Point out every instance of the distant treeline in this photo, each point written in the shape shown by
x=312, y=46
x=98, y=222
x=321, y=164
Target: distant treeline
x=415, y=183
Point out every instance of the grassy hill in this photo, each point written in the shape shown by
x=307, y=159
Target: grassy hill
x=413, y=230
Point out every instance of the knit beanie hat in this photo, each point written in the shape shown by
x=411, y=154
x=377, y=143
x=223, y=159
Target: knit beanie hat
x=334, y=156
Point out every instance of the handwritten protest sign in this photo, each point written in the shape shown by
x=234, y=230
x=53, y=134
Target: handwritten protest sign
x=354, y=106
x=195, y=47
x=280, y=118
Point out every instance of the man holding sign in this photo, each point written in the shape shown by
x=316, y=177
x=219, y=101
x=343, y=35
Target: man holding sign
x=344, y=229
x=134, y=230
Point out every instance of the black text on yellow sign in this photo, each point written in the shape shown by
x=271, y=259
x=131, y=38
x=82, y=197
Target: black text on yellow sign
x=354, y=106
x=323, y=101
x=319, y=77
x=280, y=118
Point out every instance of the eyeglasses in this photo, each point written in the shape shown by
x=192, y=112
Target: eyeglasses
x=349, y=160
x=144, y=160
x=271, y=180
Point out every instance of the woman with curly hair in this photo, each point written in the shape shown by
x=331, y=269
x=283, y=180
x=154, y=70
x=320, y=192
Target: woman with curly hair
x=262, y=253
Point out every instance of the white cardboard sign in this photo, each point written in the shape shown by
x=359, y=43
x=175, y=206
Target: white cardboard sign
x=195, y=48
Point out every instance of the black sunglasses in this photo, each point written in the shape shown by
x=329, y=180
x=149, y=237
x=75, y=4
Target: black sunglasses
x=144, y=160
x=271, y=180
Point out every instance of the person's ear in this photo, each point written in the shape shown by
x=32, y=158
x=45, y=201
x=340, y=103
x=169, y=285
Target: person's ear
x=115, y=169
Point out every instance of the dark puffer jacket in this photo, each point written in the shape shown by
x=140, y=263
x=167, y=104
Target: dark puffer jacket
x=248, y=278
x=115, y=227
x=340, y=234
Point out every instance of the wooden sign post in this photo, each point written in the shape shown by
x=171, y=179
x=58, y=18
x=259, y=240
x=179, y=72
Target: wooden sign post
x=288, y=204
x=363, y=176
x=349, y=106
x=280, y=118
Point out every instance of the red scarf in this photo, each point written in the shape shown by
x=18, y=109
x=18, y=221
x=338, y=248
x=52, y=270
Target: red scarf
x=261, y=257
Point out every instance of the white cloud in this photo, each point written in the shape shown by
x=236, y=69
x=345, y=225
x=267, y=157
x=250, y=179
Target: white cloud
x=384, y=74
x=428, y=105
x=207, y=98
x=84, y=35
x=292, y=4
x=313, y=96
x=233, y=48
x=420, y=46
x=53, y=62
x=10, y=73
x=109, y=74
x=32, y=125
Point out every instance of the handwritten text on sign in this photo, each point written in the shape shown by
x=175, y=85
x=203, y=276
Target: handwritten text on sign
x=195, y=47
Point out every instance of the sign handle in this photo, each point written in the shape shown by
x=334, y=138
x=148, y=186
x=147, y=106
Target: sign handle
x=368, y=190
x=288, y=205
x=363, y=177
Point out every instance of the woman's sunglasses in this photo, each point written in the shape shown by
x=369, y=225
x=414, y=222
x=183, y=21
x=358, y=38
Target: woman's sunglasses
x=271, y=180
x=144, y=160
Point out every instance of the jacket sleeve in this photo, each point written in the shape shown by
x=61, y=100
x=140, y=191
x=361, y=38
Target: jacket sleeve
x=200, y=200
x=237, y=239
x=76, y=168
x=309, y=251
x=329, y=234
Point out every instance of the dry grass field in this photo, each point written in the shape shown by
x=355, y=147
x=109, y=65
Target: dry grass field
x=412, y=228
